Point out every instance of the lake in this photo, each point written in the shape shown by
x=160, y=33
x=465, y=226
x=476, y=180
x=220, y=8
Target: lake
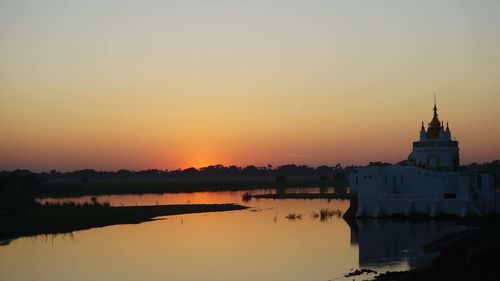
x=259, y=243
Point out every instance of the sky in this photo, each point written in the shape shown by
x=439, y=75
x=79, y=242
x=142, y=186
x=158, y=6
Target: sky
x=172, y=84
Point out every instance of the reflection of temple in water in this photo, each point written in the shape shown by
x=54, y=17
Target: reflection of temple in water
x=381, y=242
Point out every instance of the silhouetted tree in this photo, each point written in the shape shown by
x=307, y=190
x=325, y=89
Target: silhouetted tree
x=280, y=178
x=17, y=192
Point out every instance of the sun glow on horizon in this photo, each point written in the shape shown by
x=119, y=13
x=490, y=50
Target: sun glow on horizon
x=198, y=158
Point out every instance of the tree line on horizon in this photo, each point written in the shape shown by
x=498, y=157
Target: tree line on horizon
x=232, y=171
x=217, y=171
x=18, y=188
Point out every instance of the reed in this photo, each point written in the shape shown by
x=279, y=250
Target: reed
x=326, y=214
x=294, y=216
x=247, y=196
x=94, y=203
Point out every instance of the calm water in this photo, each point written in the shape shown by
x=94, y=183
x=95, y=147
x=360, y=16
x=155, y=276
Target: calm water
x=255, y=244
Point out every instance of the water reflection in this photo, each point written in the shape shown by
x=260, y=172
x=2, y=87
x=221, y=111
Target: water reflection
x=260, y=243
x=186, y=198
x=383, y=242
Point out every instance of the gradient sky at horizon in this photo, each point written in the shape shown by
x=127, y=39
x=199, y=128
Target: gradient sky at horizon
x=173, y=84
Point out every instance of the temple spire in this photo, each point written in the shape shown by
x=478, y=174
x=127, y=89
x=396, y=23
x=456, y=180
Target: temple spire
x=435, y=125
x=435, y=106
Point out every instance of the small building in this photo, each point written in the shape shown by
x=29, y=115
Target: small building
x=432, y=183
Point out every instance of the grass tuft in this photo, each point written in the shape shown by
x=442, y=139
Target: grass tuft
x=293, y=216
x=326, y=214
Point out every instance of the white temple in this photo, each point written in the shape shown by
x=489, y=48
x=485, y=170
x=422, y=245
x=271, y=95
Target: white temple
x=432, y=183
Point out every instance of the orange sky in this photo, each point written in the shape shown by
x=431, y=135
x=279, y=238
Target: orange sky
x=116, y=84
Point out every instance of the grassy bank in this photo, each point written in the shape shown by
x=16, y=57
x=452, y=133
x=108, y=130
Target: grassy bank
x=50, y=220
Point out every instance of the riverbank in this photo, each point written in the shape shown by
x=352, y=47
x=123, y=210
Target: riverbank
x=304, y=196
x=52, y=220
x=469, y=255
x=76, y=189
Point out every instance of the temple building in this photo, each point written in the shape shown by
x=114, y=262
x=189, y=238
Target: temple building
x=435, y=150
x=431, y=183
